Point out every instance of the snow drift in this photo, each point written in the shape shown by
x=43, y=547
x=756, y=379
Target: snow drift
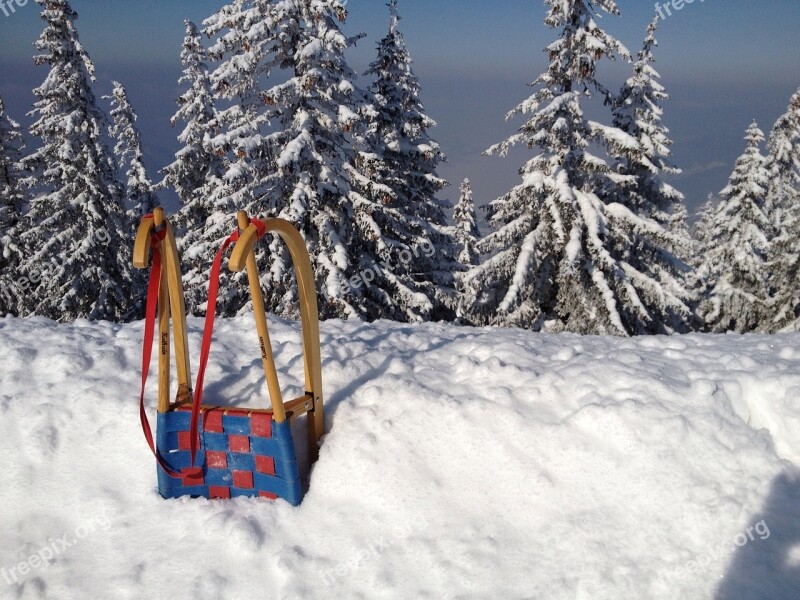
x=459, y=463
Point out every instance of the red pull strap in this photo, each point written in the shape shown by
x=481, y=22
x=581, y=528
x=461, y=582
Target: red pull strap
x=153, y=288
x=260, y=226
x=208, y=331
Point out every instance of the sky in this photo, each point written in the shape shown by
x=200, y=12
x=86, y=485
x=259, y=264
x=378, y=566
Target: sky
x=725, y=63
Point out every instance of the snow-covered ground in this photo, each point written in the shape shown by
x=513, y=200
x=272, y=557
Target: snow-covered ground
x=459, y=463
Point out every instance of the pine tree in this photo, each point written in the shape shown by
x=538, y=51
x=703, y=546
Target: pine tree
x=128, y=151
x=736, y=253
x=12, y=145
x=234, y=137
x=702, y=232
x=658, y=254
x=467, y=232
x=563, y=255
x=197, y=173
x=784, y=202
x=195, y=163
x=245, y=31
x=313, y=160
x=75, y=235
x=11, y=200
x=467, y=236
x=289, y=151
x=399, y=222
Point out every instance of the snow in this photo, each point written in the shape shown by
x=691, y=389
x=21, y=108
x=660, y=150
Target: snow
x=459, y=463
x=614, y=135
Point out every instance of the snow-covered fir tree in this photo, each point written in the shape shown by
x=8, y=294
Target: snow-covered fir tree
x=12, y=198
x=258, y=132
x=196, y=163
x=288, y=151
x=12, y=145
x=197, y=173
x=242, y=31
x=75, y=235
x=784, y=203
x=562, y=246
x=128, y=152
x=313, y=158
x=467, y=232
x=701, y=233
x=659, y=255
x=735, y=257
x=467, y=236
x=399, y=222
x=703, y=227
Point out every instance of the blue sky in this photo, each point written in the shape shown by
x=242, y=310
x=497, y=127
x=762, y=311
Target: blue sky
x=725, y=63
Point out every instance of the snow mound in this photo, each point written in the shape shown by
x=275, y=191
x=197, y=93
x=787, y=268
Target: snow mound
x=459, y=463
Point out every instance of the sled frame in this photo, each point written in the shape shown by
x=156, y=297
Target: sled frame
x=172, y=315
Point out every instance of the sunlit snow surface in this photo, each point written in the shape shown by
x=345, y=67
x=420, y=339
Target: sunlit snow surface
x=459, y=463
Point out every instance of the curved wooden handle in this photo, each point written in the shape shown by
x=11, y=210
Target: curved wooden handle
x=248, y=238
x=309, y=315
x=177, y=309
x=170, y=305
x=307, y=290
x=246, y=258
x=141, y=248
x=141, y=260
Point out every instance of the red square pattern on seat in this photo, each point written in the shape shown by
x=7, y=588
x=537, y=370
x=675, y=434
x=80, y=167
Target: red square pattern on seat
x=261, y=424
x=218, y=491
x=213, y=421
x=192, y=476
x=216, y=460
x=185, y=440
x=243, y=480
x=239, y=444
x=267, y=495
x=265, y=465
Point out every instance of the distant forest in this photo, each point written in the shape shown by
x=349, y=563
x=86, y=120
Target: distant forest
x=592, y=239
